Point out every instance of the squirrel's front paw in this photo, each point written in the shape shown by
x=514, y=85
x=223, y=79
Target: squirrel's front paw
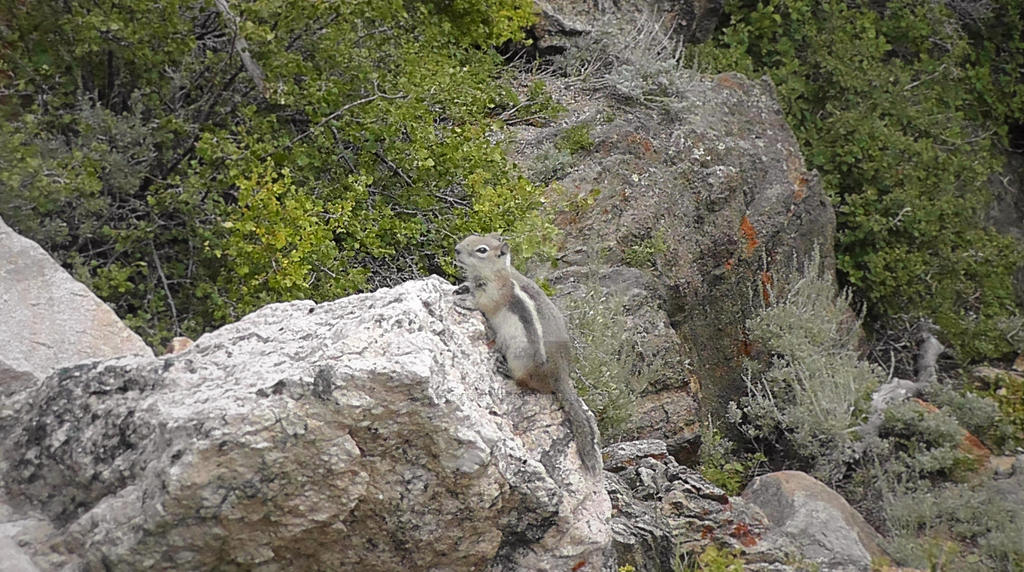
x=501, y=365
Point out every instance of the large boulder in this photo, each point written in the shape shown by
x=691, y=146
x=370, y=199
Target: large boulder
x=825, y=528
x=367, y=433
x=50, y=319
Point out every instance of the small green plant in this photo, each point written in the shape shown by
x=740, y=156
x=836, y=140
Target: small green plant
x=1007, y=391
x=722, y=465
x=644, y=253
x=575, y=139
x=715, y=559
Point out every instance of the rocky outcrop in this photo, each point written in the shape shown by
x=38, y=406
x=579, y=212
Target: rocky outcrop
x=562, y=21
x=666, y=515
x=825, y=529
x=695, y=181
x=50, y=319
x=370, y=432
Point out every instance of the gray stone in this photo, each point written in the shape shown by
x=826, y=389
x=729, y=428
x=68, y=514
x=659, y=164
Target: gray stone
x=824, y=527
x=371, y=432
x=20, y=530
x=50, y=320
x=665, y=515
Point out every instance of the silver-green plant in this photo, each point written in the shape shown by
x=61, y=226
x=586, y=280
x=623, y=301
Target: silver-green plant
x=609, y=370
x=813, y=389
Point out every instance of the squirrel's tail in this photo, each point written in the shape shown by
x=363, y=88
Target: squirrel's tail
x=584, y=426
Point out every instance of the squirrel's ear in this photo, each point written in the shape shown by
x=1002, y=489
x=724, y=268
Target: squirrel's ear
x=504, y=249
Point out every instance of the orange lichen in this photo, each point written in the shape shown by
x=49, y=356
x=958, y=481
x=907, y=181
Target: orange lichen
x=725, y=81
x=642, y=141
x=800, y=192
x=743, y=533
x=766, y=287
x=748, y=232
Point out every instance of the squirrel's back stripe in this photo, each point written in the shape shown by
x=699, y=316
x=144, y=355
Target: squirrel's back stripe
x=523, y=308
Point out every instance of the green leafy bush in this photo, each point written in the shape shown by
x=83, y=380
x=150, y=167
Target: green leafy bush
x=923, y=444
x=715, y=559
x=981, y=413
x=1007, y=392
x=724, y=466
x=643, y=252
x=902, y=106
x=188, y=188
x=575, y=139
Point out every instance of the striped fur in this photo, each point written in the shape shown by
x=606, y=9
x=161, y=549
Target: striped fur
x=529, y=331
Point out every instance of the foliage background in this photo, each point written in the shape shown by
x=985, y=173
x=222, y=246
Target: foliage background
x=187, y=189
x=905, y=108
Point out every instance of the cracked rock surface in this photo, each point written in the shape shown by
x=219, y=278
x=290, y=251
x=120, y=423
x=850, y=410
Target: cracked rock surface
x=370, y=432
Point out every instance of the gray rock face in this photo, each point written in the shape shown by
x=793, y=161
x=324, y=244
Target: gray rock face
x=49, y=319
x=824, y=527
x=366, y=433
x=697, y=182
x=665, y=515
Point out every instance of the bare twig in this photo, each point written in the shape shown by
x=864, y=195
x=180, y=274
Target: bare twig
x=241, y=46
x=914, y=84
x=333, y=116
x=167, y=289
x=928, y=354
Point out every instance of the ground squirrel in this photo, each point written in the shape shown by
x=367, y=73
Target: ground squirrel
x=528, y=330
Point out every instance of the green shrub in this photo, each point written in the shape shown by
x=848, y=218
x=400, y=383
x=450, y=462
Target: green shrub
x=715, y=559
x=1007, y=391
x=722, y=465
x=980, y=414
x=924, y=444
x=902, y=107
x=815, y=389
x=609, y=371
x=186, y=189
x=643, y=252
x=959, y=527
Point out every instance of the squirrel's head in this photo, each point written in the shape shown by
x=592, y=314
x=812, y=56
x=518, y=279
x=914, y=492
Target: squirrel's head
x=482, y=256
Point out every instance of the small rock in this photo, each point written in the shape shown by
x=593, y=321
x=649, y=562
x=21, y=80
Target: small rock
x=825, y=528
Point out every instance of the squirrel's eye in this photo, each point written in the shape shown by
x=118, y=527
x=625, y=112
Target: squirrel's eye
x=482, y=249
